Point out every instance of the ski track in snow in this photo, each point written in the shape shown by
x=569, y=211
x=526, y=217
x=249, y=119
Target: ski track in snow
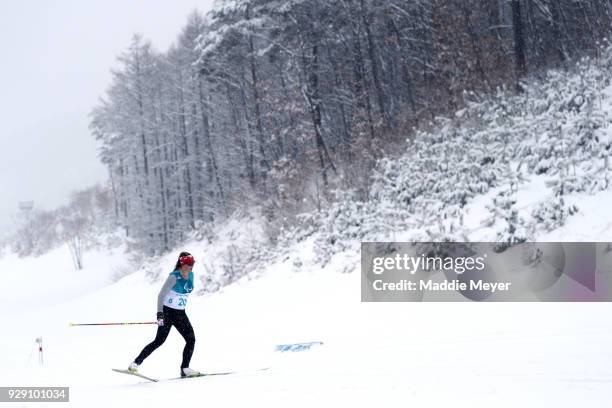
x=374, y=354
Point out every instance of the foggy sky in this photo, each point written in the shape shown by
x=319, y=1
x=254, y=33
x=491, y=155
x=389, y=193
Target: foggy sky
x=56, y=57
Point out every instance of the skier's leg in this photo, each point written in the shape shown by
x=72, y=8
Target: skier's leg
x=160, y=338
x=183, y=325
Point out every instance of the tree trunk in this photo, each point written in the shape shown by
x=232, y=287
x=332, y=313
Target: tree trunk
x=519, y=42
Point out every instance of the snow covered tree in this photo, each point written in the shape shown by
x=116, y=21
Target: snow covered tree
x=261, y=103
x=552, y=213
x=504, y=218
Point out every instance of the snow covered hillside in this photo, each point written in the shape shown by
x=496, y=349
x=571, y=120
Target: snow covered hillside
x=408, y=354
x=538, y=162
x=507, y=168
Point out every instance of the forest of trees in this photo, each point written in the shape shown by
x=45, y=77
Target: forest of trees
x=280, y=103
x=84, y=222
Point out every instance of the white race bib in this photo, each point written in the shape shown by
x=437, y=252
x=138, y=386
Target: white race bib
x=176, y=300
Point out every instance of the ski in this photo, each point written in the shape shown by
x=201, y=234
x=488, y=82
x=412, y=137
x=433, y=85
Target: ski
x=220, y=373
x=202, y=375
x=135, y=374
x=191, y=376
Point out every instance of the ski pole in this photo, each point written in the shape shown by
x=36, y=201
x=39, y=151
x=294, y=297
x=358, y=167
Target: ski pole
x=109, y=324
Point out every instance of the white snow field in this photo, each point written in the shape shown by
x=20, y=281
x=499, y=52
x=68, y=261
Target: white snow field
x=374, y=354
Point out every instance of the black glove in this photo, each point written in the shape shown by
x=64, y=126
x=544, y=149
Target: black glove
x=160, y=319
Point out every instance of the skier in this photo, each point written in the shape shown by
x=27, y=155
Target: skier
x=171, y=303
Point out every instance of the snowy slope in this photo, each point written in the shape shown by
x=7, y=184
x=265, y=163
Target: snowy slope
x=50, y=279
x=406, y=354
x=374, y=354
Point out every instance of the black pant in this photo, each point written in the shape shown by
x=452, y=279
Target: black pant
x=178, y=319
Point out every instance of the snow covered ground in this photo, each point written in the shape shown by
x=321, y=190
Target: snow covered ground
x=374, y=354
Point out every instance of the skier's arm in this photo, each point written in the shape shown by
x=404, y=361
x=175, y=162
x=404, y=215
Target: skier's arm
x=169, y=284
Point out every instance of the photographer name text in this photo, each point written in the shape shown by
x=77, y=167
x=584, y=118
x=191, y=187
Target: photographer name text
x=444, y=286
